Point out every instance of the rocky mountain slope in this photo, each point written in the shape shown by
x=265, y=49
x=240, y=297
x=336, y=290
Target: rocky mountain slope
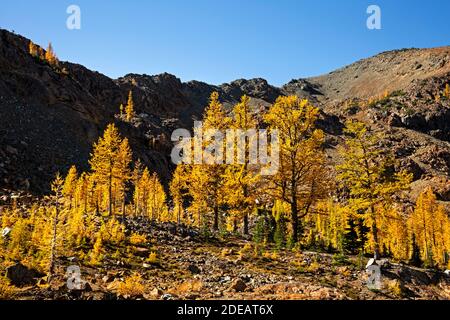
x=49, y=119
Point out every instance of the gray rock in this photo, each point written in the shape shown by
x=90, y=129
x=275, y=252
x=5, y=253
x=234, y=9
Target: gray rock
x=5, y=232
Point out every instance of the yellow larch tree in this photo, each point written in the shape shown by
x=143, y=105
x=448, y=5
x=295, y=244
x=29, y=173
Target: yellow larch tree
x=430, y=224
x=241, y=179
x=329, y=223
x=50, y=56
x=110, y=162
x=69, y=186
x=58, y=210
x=178, y=191
x=156, y=199
x=301, y=180
x=136, y=176
x=394, y=235
x=122, y=172
x=204, y=180
x=33, y=49
x=129, y=109
x=447, y=91
x=364, y=172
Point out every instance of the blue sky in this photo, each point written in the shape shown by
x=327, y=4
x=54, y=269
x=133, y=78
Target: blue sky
x=219, y=41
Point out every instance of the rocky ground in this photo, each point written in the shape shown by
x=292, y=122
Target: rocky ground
x=190, y=266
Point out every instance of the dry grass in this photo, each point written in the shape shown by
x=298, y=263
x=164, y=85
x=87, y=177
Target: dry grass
x=188, y=287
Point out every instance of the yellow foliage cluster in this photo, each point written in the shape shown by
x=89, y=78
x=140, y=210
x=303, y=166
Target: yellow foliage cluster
x=137, y=239
x=132, y=287
x=47, y=55
x=83, y=210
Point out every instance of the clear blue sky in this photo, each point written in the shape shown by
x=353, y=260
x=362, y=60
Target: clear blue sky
x=219, y=41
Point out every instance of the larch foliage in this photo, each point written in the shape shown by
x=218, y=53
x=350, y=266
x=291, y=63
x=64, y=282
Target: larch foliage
x=204, y=181
x=447, y=91
x=178, y=191
x=394, y=235
x=301, y=180
x=57, y=189
x=241, y=180
x=430, y=226
x=129, y=109
x=69, y=187
x=364, y=171
x=110, y=163
x=50, y=56
x=33, y=49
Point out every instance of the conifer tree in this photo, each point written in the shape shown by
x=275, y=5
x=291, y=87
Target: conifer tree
x=429, y=224
x=57, y=188
x=204, y=181
x=178, y=190
x=365, y=173
x=136, y=175
x=301, y=178
x=69, y=186
x=241, y=179
x=82, y=192
x=447, y=91
x=156, y=198
x=110, y=165
x=123, y=171
x=50, y=56
x=129, y=109
x=33, y=49
x=394, y=234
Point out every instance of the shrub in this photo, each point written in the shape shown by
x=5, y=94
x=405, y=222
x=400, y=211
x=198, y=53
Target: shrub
x=340, y=259
x=6, y=291
x=153, y=258
x=132, y=286
x=137, y=239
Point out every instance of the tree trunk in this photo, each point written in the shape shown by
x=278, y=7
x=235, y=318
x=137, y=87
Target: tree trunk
x=376, y=244
x=294, y=221
x=216, y=218
x=53, y=244
x=235, y=226
x=110, y=196
x=123, y=208
x=246, y=224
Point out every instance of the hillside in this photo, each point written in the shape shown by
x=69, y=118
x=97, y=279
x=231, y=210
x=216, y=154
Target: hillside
x=151, y=230
x=49, y=120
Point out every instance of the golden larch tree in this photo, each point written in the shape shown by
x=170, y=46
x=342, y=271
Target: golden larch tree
x=301, y=180
x=110, y=162
x=430, y=224
x=129, y=109
x=364, y=172
x=241, y=179
x=50, y=56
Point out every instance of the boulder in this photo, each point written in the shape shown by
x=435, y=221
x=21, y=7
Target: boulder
x=238, y=285
x=21, y=276
x=194, y=269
